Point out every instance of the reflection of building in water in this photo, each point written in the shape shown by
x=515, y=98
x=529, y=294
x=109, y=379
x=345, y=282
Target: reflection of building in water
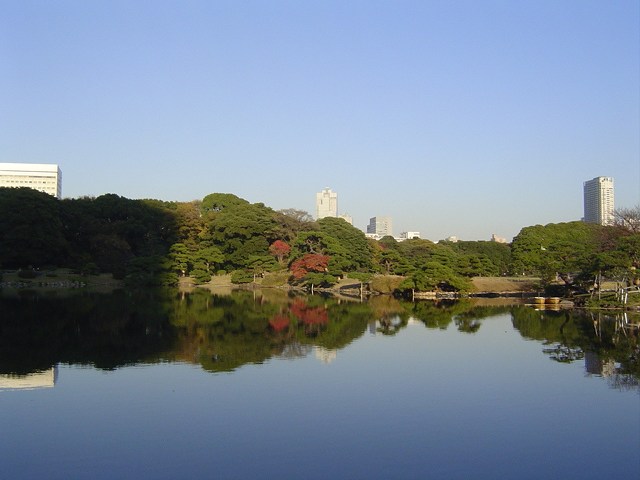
x=295, y=350
x=326, y=355
x=46, y=379
x=594, y=365
x=373, y=327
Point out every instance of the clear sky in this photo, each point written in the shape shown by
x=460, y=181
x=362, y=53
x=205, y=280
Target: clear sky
x=461, y=118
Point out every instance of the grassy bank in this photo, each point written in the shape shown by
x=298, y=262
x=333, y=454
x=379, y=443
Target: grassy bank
x=505, y=284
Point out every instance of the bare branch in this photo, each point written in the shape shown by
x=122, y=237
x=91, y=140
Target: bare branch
x=628, y=218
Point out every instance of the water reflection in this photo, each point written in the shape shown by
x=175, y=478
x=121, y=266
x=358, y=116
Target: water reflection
x=224, y=332
x=606, y=343
x=30, y=381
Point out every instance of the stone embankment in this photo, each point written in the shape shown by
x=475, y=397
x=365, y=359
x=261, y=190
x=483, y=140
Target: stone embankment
x=52, y=284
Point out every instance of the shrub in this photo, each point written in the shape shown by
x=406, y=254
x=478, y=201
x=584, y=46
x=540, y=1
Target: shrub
x=90, y=268
x=276, y=279
x=241, y=276
x=27, y=274
x=385, y=283
x=200, y=276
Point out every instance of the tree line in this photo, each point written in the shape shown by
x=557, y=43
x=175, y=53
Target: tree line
x=156, y=242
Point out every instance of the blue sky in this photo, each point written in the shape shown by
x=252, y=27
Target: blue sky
x=461, y=118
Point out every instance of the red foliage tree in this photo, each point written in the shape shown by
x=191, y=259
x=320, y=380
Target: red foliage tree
x=280, y=250
x=311, y=262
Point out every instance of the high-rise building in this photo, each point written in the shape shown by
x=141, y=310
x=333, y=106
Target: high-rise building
x=598, y=201
x=43, y=177
x=380, y=227
x=326, y=204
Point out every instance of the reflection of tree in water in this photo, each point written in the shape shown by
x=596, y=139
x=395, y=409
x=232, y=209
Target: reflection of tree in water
x=432, y=314
x=312, y=318
x=391, y=325
x=623, y=382
x=563, y=353
x=280, y=322
x=222, y=333
x=225, y=332
x=468, y=317
x=104, y=330
x=597, y=339
x=437, y=314
x=467, y=325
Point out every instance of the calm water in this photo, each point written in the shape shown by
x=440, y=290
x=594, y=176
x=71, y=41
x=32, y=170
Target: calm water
x=265, y=386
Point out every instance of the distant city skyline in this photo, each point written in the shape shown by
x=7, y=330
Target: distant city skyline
x=466, y=118
x=598, y=199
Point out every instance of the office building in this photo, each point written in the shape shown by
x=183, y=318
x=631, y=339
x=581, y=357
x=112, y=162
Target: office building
x=380, y=227
x=409, y=235
x=326, y=204
x=43, y=177
x=598, y=201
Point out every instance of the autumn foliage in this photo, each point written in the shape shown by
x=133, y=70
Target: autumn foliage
x=311, y=262
x=280, y=250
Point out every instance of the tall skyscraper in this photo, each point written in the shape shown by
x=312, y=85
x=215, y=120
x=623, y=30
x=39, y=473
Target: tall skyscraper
x=43, y=177
x=380, y=226
x=598, y=201
x=326, y=204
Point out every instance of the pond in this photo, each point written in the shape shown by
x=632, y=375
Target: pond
x=266, y=385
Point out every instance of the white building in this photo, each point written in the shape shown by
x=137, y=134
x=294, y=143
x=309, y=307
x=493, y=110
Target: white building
x=409, y=235
x=347, y=218
x=43, y=177
x=380, y=226
x=598, y=201
x=326, y=204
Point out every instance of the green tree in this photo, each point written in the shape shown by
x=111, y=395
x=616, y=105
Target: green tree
x=181, y=257
x=392, y=262
x=218, y=202
x=564, y=250
x=354, y=252
x=241, y=230
x=481, y=257
x=434, y=276
x=31, y=231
